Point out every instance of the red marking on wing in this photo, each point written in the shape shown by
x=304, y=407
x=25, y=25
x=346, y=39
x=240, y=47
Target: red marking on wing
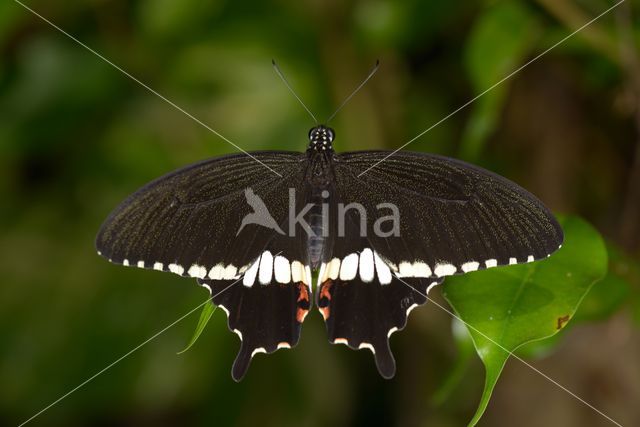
x=301, y=313
x=325, y=288
x=303, y=294
x=325, y=296
x=303, y=302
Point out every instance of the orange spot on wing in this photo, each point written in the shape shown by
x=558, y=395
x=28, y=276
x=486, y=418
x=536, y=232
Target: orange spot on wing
x=303, y=302
x=325, y=288
x=301, y=313
x=303, y=294
x=324, y=298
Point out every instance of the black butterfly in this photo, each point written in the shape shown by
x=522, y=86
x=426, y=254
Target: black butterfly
x=208, y=221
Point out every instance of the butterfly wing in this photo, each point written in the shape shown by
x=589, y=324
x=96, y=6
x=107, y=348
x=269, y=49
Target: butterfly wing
x=452, y=218
x=361, y=300
x=358, y=295
x=266, y=307
x=190, y=222
x=225, y=222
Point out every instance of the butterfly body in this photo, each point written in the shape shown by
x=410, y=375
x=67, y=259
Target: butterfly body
x=378, y=240
x=320, y=176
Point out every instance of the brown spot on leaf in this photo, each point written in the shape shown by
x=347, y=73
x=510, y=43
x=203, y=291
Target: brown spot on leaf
x=562, y=321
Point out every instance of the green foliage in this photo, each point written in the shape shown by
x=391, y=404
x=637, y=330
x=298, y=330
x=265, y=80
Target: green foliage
x=625, y=278
x=498, y=43
x=205, y=316
x=508, y=307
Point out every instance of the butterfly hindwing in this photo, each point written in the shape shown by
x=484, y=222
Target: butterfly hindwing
x=363, y=311
x=358, y=294
x=265, y=307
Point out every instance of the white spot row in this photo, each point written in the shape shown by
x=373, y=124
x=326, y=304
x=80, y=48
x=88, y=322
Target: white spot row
x=268, y=267
x=218, y=272
x=418, y=269
x=441, y=269
x=126, y=262
x=367, y=264
x=265, y=268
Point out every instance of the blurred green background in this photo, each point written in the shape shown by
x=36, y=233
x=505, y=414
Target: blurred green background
x=77, y=136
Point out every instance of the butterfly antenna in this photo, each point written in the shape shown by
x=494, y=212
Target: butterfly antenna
x=371, y=73
x=286, y=83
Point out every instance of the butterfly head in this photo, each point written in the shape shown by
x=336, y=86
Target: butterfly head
x=320, y=138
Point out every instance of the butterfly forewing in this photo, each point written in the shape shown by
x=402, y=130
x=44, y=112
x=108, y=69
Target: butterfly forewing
x=454, y=217
x=190, y=221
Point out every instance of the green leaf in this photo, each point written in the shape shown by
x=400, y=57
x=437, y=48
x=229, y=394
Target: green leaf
x=497, y=45
x=606, y=297
x=205, y=316
x=505, y=308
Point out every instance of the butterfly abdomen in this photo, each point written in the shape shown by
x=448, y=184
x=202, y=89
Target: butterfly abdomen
x=319, y=223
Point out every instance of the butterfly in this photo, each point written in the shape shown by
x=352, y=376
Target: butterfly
x=378, y=241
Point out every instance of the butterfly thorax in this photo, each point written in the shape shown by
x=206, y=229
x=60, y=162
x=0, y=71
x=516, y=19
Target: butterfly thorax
x=320, y=155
